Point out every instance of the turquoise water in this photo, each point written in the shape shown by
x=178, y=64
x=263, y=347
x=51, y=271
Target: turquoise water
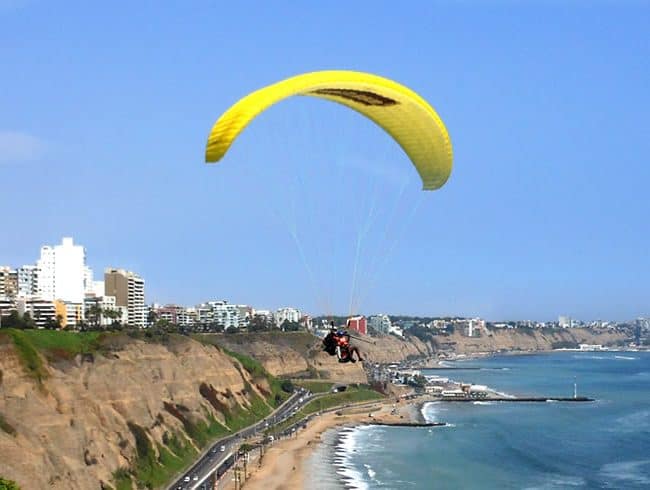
x=605, y=444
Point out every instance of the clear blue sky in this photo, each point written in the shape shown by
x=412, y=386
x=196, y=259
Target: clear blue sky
x=105, y=109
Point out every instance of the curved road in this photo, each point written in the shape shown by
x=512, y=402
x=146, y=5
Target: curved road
x=199, y=474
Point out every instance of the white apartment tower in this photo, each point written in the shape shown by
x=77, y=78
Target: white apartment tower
x=61, y=272
x=45, y=265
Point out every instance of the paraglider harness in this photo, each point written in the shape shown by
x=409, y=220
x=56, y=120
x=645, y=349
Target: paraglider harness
x=337, y=342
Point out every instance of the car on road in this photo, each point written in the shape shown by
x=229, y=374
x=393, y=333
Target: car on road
x=223, y=449
x=195, y=478
x=186, y=479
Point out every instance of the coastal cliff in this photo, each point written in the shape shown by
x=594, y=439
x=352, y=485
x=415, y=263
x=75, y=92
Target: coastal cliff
x=84, y=411
x=128, y=410
x=503, y=339
x=297, y=354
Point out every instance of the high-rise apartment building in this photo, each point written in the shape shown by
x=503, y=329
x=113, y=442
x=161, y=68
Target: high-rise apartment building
x=8, y=282
x=62, y=271
x=128, y=289
x=45, y=279
x=27, y=281
x=380, y=323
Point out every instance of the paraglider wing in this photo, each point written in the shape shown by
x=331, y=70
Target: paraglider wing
x=402, y=113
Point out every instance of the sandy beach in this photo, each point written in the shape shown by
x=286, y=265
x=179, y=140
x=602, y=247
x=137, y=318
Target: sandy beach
x=282, y=467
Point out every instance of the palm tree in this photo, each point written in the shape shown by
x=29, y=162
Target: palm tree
x=95, y=314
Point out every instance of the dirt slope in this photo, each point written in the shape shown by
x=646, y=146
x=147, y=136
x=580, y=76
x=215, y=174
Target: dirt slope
x=71, y=431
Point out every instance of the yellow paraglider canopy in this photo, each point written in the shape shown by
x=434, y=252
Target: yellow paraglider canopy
x=402, y=113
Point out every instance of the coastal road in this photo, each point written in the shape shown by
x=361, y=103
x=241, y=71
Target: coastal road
x=220, y=452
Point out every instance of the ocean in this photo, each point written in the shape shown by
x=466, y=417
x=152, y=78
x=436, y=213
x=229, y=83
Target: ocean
x=604, y=444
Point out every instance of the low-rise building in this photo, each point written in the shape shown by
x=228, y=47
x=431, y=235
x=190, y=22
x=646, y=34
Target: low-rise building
x=68, y=314
x=42, y=311
x=358, y=324
x=7, y=305
x=219, y=313
x=175, y=314
x=267, y=316
x=102, y=311
x=287, y=314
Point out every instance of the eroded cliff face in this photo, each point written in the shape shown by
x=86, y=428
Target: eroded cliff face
x=295, y=354
x=72, y=429
x=280, y=353
x=524, y=340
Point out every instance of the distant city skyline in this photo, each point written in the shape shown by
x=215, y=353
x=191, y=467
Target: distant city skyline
x=66, y=261
x=103, y=131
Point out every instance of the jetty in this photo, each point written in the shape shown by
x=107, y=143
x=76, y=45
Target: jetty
x=408, y=424
x=454, y=368
x=521, y=399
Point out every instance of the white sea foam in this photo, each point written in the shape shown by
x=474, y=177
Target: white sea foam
x=557, y=481
x=482, y=403
x=627, y=472
x=319, y=464
x=633, y=422
x=346, y=446
x=431, y=411
x=626, y=358
x=371, y=473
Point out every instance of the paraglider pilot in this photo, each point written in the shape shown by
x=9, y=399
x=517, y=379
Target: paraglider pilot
x=337, y=342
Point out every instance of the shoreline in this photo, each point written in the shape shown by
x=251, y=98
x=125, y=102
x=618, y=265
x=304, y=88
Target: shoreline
x=284, y=465
x=286, y=462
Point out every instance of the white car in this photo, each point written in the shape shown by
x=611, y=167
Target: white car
x=186, y=479
x=223, y=449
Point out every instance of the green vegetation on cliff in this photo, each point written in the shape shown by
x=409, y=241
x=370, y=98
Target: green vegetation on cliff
x=257, y=372
x=155, y=466
x=8, y=484
x=62, y=344
x=54, y=345
x=28, y=355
